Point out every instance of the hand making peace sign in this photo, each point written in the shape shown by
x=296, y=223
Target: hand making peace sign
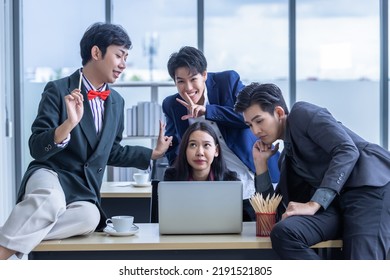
x=194, y=110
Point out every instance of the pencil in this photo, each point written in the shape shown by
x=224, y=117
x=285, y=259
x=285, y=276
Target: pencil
x=81, y=79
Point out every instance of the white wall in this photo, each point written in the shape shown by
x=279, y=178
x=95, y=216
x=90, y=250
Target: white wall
x=7, y=162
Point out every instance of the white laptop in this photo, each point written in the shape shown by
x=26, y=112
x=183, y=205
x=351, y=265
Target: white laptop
x=200, y=207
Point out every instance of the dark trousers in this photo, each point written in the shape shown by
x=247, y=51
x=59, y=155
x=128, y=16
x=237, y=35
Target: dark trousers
x=366, y=212
x=363, y=216
x=292, y=237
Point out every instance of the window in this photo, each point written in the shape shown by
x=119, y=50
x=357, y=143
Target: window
x=250, y=37
x=7, y=147
x=156, y=28
x=50, y=49
x=338, y=61
x=237, y=36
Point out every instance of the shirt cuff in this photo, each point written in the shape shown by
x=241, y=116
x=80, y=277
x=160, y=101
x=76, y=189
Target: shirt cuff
x=263, y=182
x=64, y=143
x=324, y=197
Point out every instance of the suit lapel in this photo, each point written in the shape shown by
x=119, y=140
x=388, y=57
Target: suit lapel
x=87, y=123
x=210, y=84
x=178, y=111
x=110, y=115
x=109, y=118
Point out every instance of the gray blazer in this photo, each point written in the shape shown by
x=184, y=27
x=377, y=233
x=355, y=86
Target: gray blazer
x=80, y=165
x=323, y=153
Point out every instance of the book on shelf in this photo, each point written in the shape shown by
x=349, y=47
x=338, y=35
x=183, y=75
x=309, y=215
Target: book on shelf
x=134, y=113
x=140, y=118
x=143, y=119
x=129, y=121
x=152, y=118
x=120, y=174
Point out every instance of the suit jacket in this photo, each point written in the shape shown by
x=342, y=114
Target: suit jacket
x=322, y=153
x=81, y=163
x=222, y=90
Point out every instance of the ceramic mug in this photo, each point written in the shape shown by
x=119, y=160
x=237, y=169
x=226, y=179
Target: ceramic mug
x=120, y=223
x=141, y=178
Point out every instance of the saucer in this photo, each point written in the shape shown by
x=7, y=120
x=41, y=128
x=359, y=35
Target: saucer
x=109, y=230
x=148, y=184
x=120, y=184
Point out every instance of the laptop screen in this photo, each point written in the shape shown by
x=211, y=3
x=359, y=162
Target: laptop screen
x=200, y=207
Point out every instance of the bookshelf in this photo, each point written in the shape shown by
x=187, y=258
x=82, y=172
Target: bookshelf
x=141, y=128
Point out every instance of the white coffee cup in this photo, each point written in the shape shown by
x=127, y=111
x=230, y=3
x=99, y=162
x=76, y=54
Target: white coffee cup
x=120, y=223
x=141, y=178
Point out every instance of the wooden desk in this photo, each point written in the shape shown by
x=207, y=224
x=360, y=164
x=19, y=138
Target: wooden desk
x=149, y=244
x=124, y=189
x=122, y=198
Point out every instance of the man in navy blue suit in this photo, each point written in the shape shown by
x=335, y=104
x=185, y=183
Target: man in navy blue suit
x=210, y=97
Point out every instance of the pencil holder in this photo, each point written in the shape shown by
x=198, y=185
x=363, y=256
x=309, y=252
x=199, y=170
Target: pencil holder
x=264, y=223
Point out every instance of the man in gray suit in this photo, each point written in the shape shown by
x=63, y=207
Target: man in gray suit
x=333, y=182
x=76, y=133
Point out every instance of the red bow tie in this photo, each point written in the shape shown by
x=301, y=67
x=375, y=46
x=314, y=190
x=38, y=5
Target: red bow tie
x=102, y=94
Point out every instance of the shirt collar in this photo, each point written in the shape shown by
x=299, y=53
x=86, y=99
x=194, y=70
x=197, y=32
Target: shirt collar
x=88, y=85
x=206, y=97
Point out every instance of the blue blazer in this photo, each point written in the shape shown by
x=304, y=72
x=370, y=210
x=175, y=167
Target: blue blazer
x=222, y=90
x=80, y=165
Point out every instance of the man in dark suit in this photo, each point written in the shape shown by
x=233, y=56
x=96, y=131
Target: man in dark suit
x=210, y=97
x=74, y=136
x=331, y=179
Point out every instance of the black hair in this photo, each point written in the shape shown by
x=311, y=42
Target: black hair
x=267, y=96
x=189, y=57
x=181, y=170
x=102, y=35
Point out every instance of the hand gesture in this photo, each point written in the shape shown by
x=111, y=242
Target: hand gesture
x=194, y=110
x=74, y=106
x=261, y=153
x=163, y=143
